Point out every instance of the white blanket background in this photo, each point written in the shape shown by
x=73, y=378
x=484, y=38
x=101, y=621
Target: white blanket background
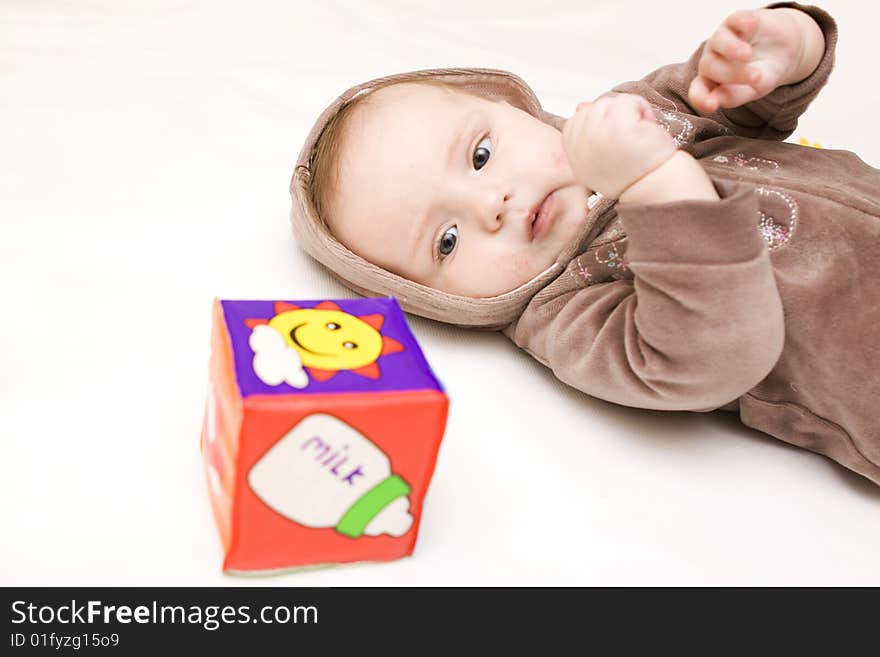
x=145, y=154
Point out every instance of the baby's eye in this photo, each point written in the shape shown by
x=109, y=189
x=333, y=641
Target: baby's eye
x=332, y=326
x=447, y=242
x=481, y=154
x=349, y=345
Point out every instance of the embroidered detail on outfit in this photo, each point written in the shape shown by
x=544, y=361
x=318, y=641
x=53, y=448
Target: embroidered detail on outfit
x=777, y=221
x=774, y=232
x=584, y=273
x=751, y=163
x=612, y=258
x=607, y=264
x=676, y=124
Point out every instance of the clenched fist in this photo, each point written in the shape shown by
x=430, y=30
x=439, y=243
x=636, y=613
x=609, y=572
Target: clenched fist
x=615, y=141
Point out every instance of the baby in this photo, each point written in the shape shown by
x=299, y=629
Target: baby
x=662, y=248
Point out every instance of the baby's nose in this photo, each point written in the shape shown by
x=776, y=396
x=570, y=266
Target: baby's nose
x=494, y=210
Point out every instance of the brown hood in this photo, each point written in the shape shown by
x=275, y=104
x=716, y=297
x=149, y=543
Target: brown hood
x=492, y=313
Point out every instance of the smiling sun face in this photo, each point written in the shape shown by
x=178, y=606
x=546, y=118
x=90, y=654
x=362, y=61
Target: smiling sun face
x=328, y=339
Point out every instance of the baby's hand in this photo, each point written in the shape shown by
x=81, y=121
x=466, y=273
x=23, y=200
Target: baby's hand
x=753, y=52
x=613, y=142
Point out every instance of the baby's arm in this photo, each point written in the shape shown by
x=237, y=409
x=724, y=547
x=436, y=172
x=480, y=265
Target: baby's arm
x=680, y=178
x=615, y=147
x=699, y=325
x=773, y=116
x=701, y=322
x=752, y=53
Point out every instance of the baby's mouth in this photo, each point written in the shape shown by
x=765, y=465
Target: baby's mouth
x=532, y=228
x=543, y=216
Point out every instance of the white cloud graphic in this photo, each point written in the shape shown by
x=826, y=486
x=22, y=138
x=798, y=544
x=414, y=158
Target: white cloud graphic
x=274, y=361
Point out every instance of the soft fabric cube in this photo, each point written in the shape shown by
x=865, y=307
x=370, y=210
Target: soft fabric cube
x=322, y=427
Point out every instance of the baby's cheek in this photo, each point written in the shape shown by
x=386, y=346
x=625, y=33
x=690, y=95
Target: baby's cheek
x=504, y=270
x=559, y=160
x=514, y=269
x=519, y=263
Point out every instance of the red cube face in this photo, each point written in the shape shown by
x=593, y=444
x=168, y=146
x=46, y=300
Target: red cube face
x=321, y=432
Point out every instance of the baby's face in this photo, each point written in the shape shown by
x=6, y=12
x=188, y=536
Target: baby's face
x=441, y=188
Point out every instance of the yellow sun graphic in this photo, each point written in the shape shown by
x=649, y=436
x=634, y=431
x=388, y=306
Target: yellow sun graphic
x=329, y=339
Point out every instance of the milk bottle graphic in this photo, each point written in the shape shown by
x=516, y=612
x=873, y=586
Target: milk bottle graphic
x=324, y=473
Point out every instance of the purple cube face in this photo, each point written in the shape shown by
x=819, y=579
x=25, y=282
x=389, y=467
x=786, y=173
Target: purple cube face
x=339, y=346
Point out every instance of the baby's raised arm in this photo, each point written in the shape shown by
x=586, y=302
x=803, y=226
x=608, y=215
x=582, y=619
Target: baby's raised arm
x=750, y=55
x=753, y=52
x=747, y=76
x=792, y=47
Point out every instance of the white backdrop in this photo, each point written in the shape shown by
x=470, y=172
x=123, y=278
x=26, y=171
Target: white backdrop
x=145, y=154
